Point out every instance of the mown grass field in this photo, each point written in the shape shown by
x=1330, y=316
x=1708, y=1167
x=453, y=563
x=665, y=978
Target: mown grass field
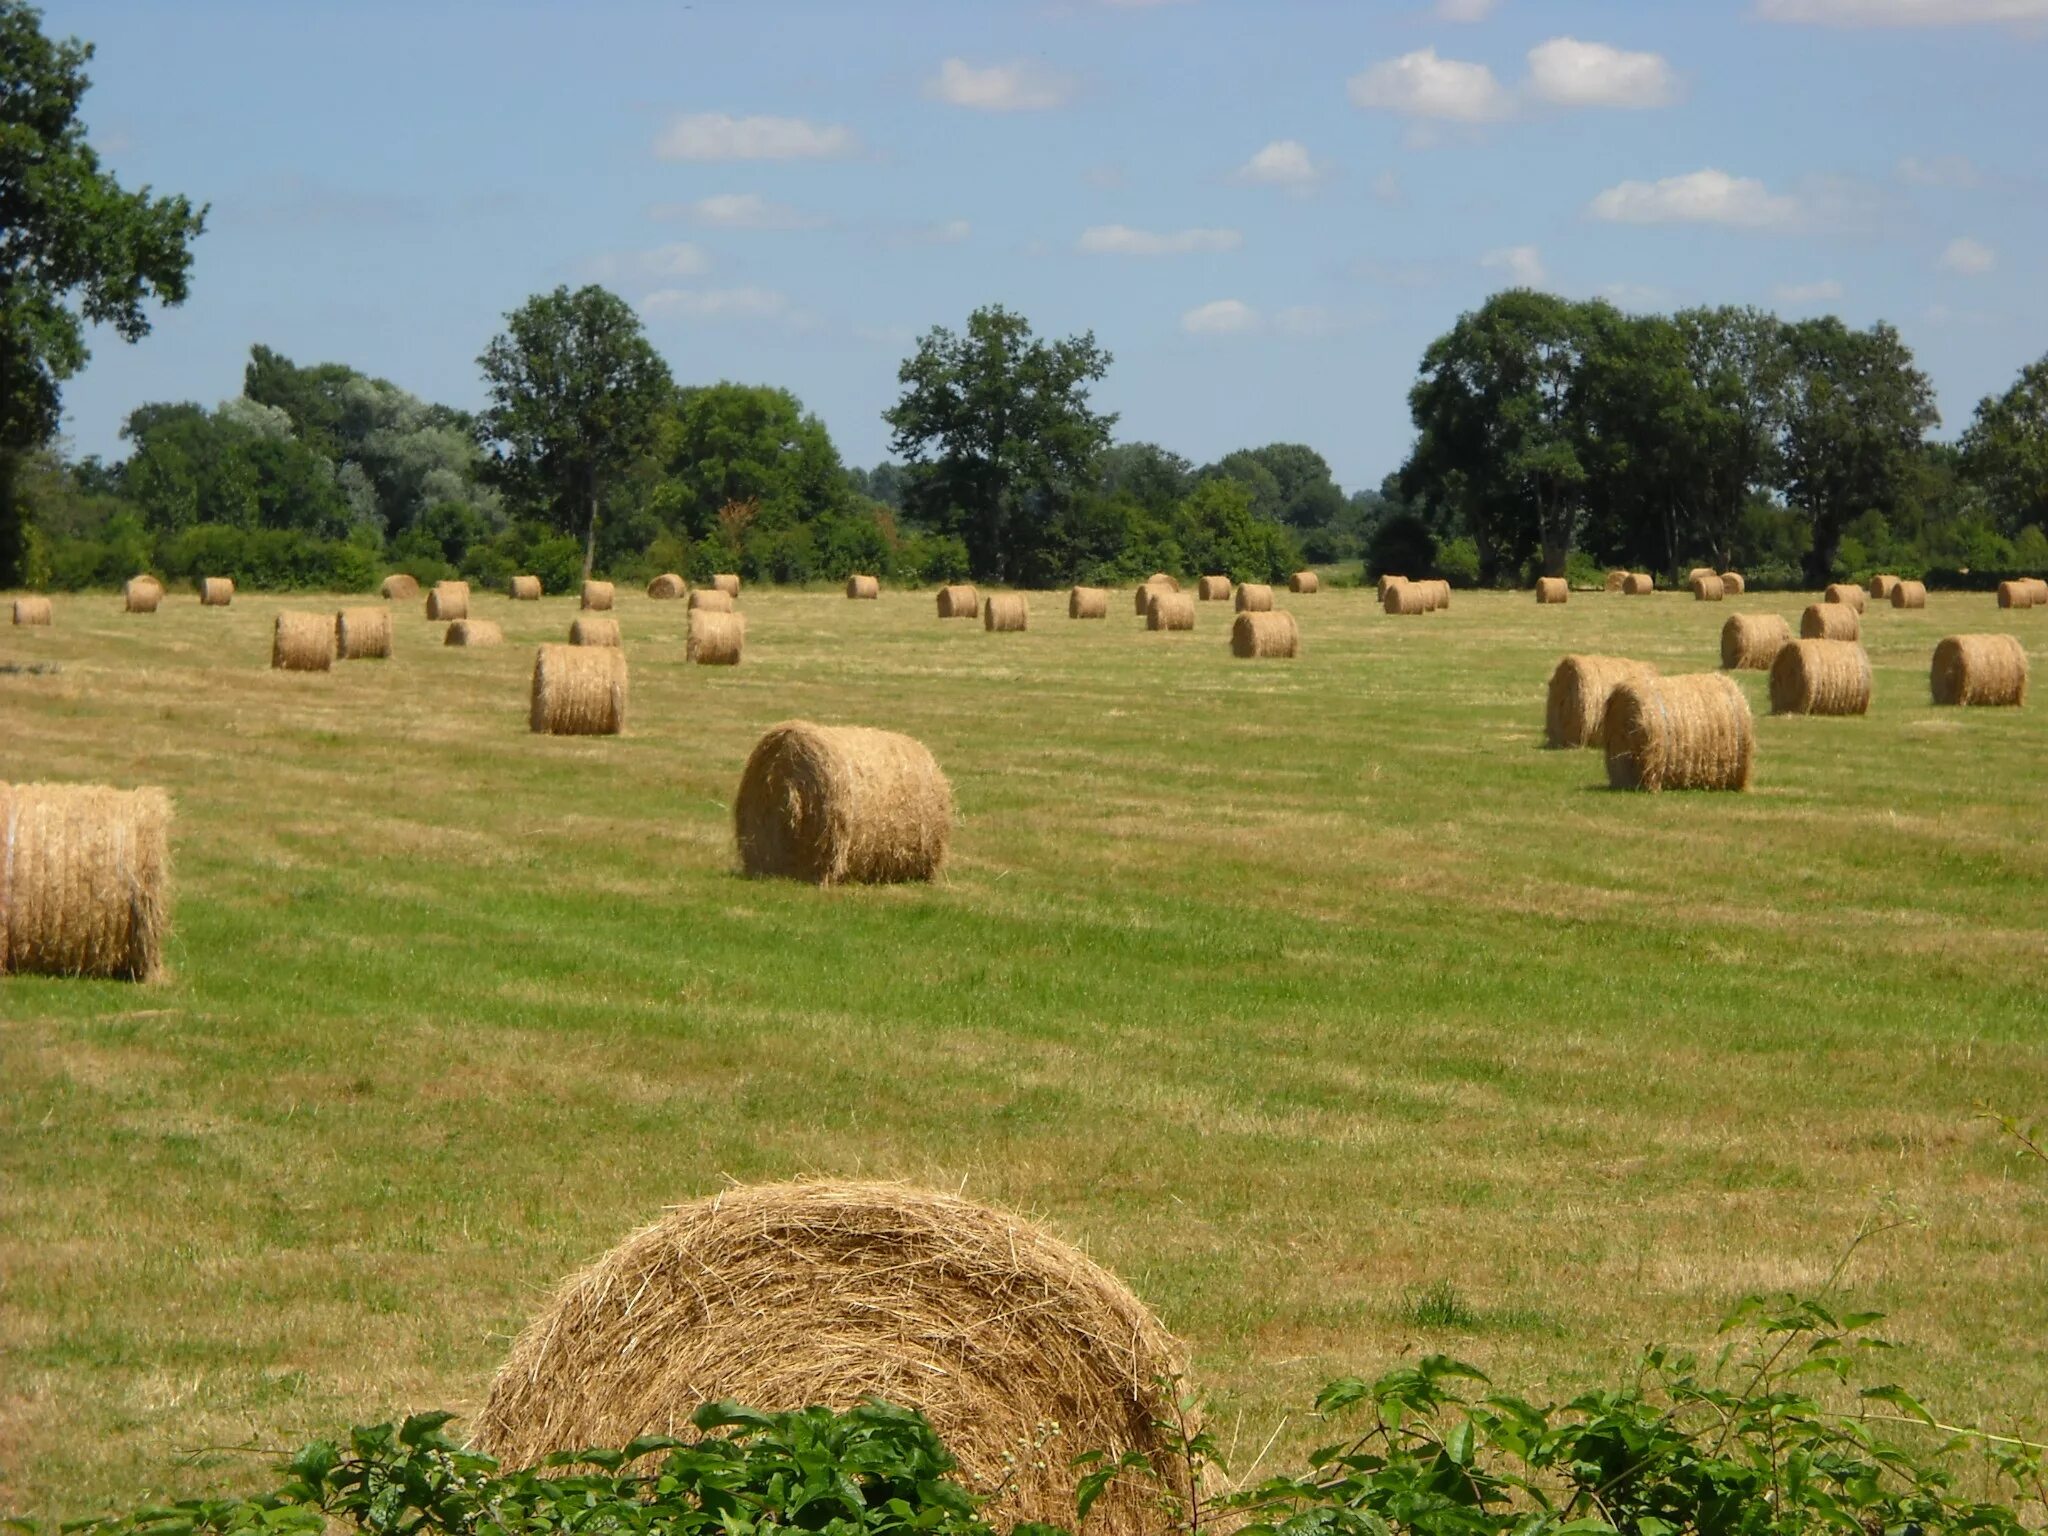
x=1291, y=990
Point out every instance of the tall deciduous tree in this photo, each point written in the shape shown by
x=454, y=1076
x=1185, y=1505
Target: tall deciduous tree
x=2005, y=449
x=727, y=443
x=576, y=393
x=74, y=247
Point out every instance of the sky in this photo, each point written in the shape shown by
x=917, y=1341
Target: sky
x=1264, y=209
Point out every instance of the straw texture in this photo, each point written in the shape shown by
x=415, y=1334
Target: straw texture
x=34, y=611
x=1821, y=677
x=1909, y=594
x=1733, y=584
x=1750, y=642
x=1005, y=611
x=85, y=874
x=1552, y=589
x=524, y=589
x=1152, y=585
x=1689, y=732
x=1617, y=580
x=1830, y=621
x=1088, y=603
x=1979, y=669
x=1846, y=593
x=598, y=596
x=1638, y=584
x=141, y=594
x=711, y=600
x=1257, y=634
x=474, y=632
x=1406, y=597
x=1304, y=583
x=594, y=629
x=959, y=602
x=842, y=804
x=727, y=582
x=362, y=634
x=716, y=639
x=302, y=642
x=448, y=600
x=578, y=690
x=1881, y=587
x=1169, y=610
x=867, y=587
x=216, y=591
x=1254, y=597
x=1579, y=690
x=1708, y=588
x=667, y=587
x=1213, y=589
x=400, y=587
x=2015, y=594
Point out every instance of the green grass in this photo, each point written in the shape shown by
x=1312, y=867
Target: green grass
x=1298, y=992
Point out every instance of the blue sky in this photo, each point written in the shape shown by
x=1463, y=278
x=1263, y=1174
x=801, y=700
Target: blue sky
x=1264, y=210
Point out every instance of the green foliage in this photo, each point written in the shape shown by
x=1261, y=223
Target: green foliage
x=726, y=443
x=1402, y=546
x=2005, y=448
x=1219, y=533
x=1437, y=1305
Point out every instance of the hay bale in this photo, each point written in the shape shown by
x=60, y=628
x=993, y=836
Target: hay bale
x=1846, y=593
x=448, y=600
x=1909, y=594
x=400, y=587
x=141, y=594
x=1750, y=642
x=594, y=629
x=578, y=690
x=35, y=611
x=1254, y=597
x=1260, y=634
x=959, y=602
x=361, y=634
x=1979, y=669
x=863, y=587
x=727, y=583
x=1733, y=584
x=1881, y=587
x=302, y=642
x=1707, y=588
x=1386, y=581
x=1406, y=597
x=1169, y=610
x=2015, y=594
x=2040, y=586
x=1830, y=621
x=710, y=600
x=1617, y=581
x=475, y=632
x=1638, y=584
x=1821, y=677
x=1088, y=603
x=1697, y=572
x=524, y=589
x=215, y=591
x=1305, y=583
x=1213, y=589
x=842, y=804
x=597, y=596
x=716, y=639
x=667, y=587
x=1161, y=579
x=1005, y=611
x=1690, y=732
x=1552, y=589
x=1579, y=690
x=1144, y=594
x=85, y=881
x=786, y=1295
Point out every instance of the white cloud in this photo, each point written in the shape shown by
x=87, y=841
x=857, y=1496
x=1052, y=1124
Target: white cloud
x=663, y=262
x=1967, y=257
x=720, y=136
x=1568, y=73
x=1793, y=295
x=1701, y=197
x=1386, y=187
x=1122, y=240
x=1464, y=10
x=750, y=210
x=1015, y=87
x=716, y=304
x=1220, y=317
x=1523, y=265
x=1282, y=163
x=1903, y=13
x=1639, y=297
x=947, y=232
x=1938, y=171
x=1420, y=84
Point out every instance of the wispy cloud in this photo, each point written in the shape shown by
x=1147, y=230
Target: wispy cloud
x=720, y=136
x=1938, y=171
x=1699, y=197
x=722, y=304
x=1800, y=295
x=742, y=210
x=1565, y=72
x=1122, y=240
x=1015, y=87
x=1220, y=317
x=664, y=262
x=1284, y=163
x=1905, y=13
x=1967, y=257
x=1522, y=265
x=1422, y=84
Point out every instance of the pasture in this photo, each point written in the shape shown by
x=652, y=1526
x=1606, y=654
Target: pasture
x=1313, y=997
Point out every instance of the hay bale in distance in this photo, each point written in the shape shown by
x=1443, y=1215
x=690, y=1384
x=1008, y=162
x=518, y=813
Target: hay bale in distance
x=1439, y=595
x=302, y=642
x=1821, y=677
x=1846, y=593
x=594, y=629
x=216, y=591
x=2015, y=594
x=1579, y=690
x=1697, y=572
x=1254, y=597
x=87, y=881
x=361, y=634
x=400, y=587
x=141, y=594
x=524, y=589
x=1881, y=587
x=1144, y=594
x=1088, y=603
x=34, y=612
x=842, y=804
x=1689, y=732
x=1305, y=583
x=786, y=1295
x=865, y=588
x=1385, y=581
x=959, y=601
x=1407, y=597
x=597, y=596
x=710, y=600
x=1161, y=579
x=2040, y=589
x=1750, y=642
x=667, y=587
x=1909, y=594
x=1257, y=633
x=1979, y=669
x=578, y=690
x=1638, y=584
x=1830, y=621
x=1213, y=589
x=474, y=632
x=716, y=639
x=1005, y=611
x=1617, y=580
x=1169, y=610
x=1552, y=589
x=448, y=600
x=1707, y=588
x=727, y=582
x=1733, y=583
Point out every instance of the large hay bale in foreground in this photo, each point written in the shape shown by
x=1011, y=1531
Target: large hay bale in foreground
x=1881, y=587
x=865, y=588
x=448, y=600
x=1638, y=584
x=361, y=634
x=1821, y=677
x=959, y=601
x=1617, y=580
x=1579, y=690
x=1552, y=589
x=302, y=642
x=1005, y=611
x=400, y=587
x=85, y=881
x=597, y=596
x=1830, y=621
x=1258, y=634
x=1213, y=589
x=1733, y=584
x=1750, y=642
x=1708, y=588
x=524, y=589
x=578, y=690
x=1979, y=669
x=785, y=1295
x=726, y=582
x=594, y=629
x=1847, y=593
x=842, y=804
x=1406, y=597
x=710, y=600
x=474, y=632
x=1909, y=594
x=1088, y=603
x=716, y=639
x=667, y=587
x=1254, y=597
x=2015, y=594
x=1690, y=732
x=141, y=594
x=34, y=611
x=1169, y=610
x=1305, y=583
x=216, y=591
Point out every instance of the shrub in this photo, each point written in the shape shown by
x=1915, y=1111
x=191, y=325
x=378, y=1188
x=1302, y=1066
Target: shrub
x=1401, y=546
x=1458, y=563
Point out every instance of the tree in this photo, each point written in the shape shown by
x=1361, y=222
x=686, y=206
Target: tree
x=2005, y=449
x=75, y=249
x=1303, y=494
x=999, y=435
x=727, y=443
x=576, y=392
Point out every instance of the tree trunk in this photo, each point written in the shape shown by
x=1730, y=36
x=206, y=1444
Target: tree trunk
x=590, y=535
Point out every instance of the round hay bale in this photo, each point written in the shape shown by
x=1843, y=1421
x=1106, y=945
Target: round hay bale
x=524, y=589
x=1005, y=611
x=2040, y=586
x=400, y=587
x=1690, y=732
x=1088, y=603
x=1909, y=594
x=1552, y=589
x=710, y=600
x=1697, y=572
x=475, y=632
x=1708, y=588
x=448, y=600
x=1169, y=610
x=1733, y=583
x=1213, y=589
x=215, y=591
x=1439, y=595
x=727, y=582
x=716, y=639
x=578, y=690
x=1881, y=587
x=1638, y=584
x=1617, y=581
x=1144, y=594
x=594, y=629
x=667, y=587
x=34, y=611
x=842, y=804
x=597, y=596
x=2015, y=594
x=1979, y=669
x=1750, y=642
x=1579, y=690
x=1254, y=597
x=1821, y=677
x=1406, y=597
x=1305, y=583
x=361, y=634
x=1161, y=579
x=863, y=587
x=959, y=602
x=85, y=881
x=1261, y=634
x=1846, y=593
x=1830, y=621
x=785, y=1295
x=141, y=594
x=1386, y=581
x=302, y=642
